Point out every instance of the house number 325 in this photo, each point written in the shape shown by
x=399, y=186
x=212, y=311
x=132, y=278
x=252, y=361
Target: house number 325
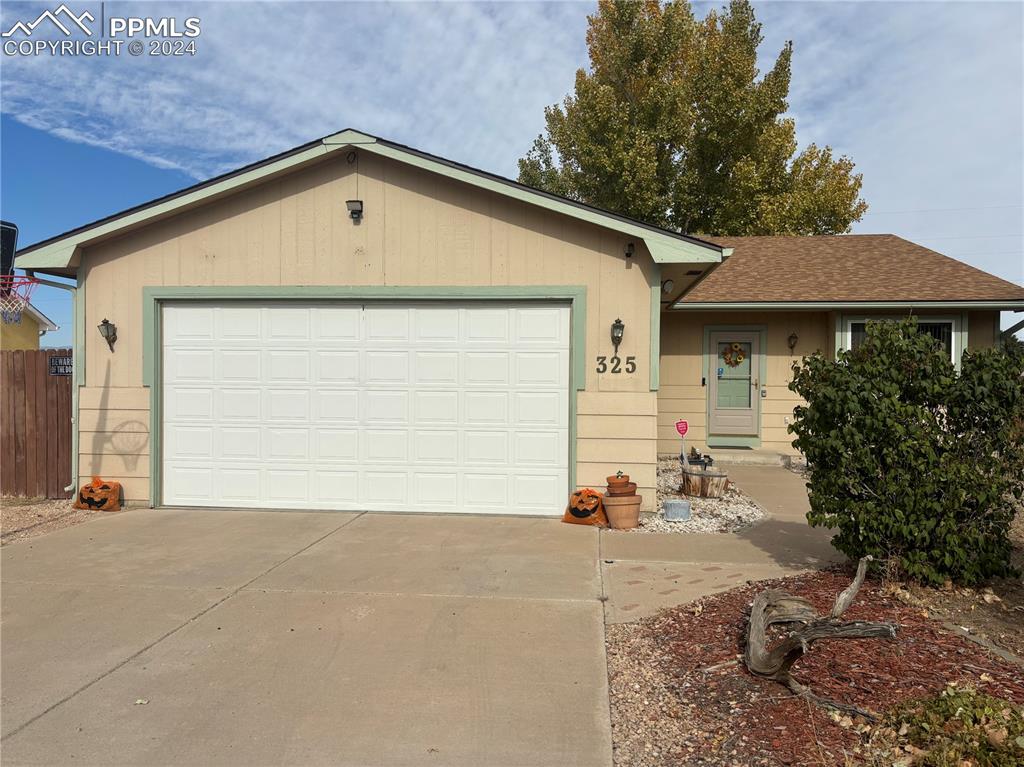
x=614, y=364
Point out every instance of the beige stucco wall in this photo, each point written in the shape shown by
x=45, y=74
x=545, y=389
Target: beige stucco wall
x=419, y=229
x=22, y=335
x=682, y=339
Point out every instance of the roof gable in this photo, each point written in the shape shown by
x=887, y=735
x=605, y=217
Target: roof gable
x=60, y=252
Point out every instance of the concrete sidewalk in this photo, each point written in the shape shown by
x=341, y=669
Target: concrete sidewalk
x=645, y=573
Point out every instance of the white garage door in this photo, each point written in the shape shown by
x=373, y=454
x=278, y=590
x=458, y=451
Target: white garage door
x=419, y=407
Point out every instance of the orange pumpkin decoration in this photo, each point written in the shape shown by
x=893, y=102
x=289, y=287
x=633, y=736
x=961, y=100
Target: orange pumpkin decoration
x=586, y=507
x=99, y=495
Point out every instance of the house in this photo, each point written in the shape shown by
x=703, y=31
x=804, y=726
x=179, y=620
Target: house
x=355, y=324
x=25, y=334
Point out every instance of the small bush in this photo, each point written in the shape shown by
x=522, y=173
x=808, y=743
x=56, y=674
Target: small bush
x=912, y=461
x=959, y=727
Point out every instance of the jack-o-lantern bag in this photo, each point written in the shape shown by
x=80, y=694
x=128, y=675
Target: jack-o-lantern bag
x=99, y=495
x=586, y=507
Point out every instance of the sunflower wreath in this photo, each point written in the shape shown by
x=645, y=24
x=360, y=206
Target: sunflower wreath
x=733, y=354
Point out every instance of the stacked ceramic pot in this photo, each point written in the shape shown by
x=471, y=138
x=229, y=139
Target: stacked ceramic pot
x=621, y=503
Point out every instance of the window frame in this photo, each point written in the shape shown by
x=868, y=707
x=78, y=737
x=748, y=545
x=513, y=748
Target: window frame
x=955, y=321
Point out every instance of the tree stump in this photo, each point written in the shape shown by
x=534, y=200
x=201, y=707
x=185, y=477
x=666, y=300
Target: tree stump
x=773, y=607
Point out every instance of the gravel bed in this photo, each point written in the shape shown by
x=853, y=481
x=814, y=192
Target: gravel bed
x=28, y=517
x=732, y=512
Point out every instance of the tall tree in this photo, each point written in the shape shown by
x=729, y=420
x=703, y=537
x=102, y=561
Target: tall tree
x=672, y=126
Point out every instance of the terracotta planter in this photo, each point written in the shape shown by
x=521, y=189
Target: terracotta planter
x=623, y=511
x=628, y=489
x=617, y=482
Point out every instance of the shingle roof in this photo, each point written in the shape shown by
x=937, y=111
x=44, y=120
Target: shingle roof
x=843, y=268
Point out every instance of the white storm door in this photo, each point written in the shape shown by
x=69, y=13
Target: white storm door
x=438, y=406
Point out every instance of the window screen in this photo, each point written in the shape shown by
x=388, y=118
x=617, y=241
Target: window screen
x=940, y=331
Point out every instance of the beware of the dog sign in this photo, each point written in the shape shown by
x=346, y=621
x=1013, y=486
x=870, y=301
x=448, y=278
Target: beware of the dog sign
x=682, y=427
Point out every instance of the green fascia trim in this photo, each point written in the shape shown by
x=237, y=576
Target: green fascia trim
x=851, y=305
x=762, y=369
x=152, y=360
x=60, y=254
x=656, y=331
x=664, y=248
x=725, y=441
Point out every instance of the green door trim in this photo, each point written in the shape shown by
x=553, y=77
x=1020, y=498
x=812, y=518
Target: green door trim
x=724, y=440
x=154, y=297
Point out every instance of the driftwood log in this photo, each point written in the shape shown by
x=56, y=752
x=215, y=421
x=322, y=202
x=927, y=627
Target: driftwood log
x=774, y=607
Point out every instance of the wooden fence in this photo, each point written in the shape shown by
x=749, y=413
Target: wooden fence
x=35, y=424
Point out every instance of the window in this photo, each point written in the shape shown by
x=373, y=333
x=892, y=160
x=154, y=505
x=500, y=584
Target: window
x=942, y=329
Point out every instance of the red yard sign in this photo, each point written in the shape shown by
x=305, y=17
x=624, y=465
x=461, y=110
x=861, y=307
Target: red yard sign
x=682, y=427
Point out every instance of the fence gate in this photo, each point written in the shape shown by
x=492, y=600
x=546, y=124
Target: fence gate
x=35, y=423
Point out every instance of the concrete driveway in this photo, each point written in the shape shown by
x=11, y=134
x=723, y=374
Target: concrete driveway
x=222, y=637
x=305, y=638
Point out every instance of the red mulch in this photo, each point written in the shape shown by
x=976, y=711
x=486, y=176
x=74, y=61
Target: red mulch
x=741, y=719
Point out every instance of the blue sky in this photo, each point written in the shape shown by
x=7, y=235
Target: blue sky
x=925, y=97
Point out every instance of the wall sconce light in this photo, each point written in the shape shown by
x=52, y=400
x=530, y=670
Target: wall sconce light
x=355, y=209
x=618, y=329
x=793, y=338
x=629, y=251
x=109, y=332
x=667, y=286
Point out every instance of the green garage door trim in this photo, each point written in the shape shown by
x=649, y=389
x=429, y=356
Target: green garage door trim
x=153, y=297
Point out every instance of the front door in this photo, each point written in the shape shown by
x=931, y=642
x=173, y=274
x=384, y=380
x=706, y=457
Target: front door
x=734, y=404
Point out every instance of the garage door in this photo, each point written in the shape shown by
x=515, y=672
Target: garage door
x=422, y=407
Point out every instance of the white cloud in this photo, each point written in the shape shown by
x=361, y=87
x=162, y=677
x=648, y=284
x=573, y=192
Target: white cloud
x=926, y=97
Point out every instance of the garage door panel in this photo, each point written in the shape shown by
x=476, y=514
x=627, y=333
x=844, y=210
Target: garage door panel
x=239, y=365
x=238, y=443
x=337, y=405
x=238, y=404
x=287, y=405
x=486, y=408
x=383, y=367
x=239, y=324
x=288, y=324
x=486, y=447
x=490, y=326
x=337, y=445
x=285, y=365
x=190, y=404
x=190, y=442
x=437, y=326
x=337, y=367
x=436, y=446
x=286, y=444
x=436, y=407
x=435, y=368
x=540, y=325
x=338, y=323
x=424, y=407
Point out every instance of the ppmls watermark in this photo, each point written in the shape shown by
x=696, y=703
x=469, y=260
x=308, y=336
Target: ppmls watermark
x=62, y=32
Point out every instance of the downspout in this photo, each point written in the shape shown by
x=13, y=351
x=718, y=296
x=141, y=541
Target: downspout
x=76, y=332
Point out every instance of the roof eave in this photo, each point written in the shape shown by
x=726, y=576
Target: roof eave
x=1016, y=305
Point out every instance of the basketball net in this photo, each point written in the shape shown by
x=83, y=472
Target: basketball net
x=15, y=294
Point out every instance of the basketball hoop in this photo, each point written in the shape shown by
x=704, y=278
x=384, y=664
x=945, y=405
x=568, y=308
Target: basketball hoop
x=15, y=294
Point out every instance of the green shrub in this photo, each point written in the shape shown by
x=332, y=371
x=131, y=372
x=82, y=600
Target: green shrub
x=959, y=726
x=912, y=461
